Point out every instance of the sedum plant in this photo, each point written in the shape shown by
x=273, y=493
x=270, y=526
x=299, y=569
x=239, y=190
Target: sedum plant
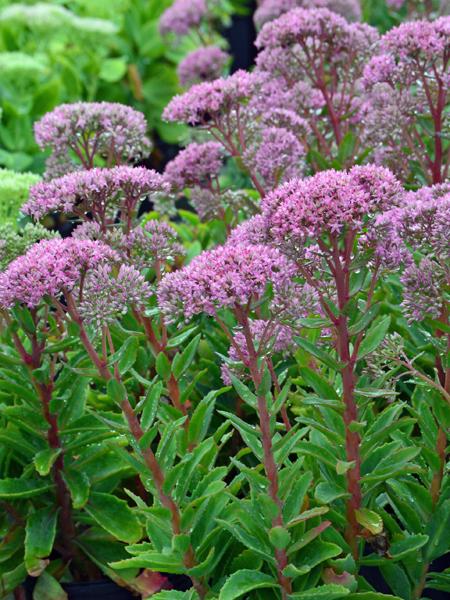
x=252, y=401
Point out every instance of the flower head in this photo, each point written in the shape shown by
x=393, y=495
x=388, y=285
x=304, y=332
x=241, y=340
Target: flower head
x=154, y=241
x=423, y=290
x=328, y=202
x=276, y=157
x=204, y=64
x=182, y=16
x=195, y=165
x=49, y=268
x=108, y=295
x=221, y=278
x=269, y=10
x=81, y=131
x=97, y=191
x=208, y=101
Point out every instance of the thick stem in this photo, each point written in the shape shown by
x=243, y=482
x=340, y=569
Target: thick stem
x=270, y=465
x=66, y=524
x=352, y=438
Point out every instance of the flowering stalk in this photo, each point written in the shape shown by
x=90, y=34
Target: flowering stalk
x=270, y=465
x=137, y=432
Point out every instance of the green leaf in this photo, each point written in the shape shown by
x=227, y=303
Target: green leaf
x=326, y=492
x=330, y=591
x=319, y=384
x=318, y=353
x=115, y=516
x=47, y=588
x=128, y=354
x=437, y=531
x=201, y=417
x=371, y=596
x=116, y=391
x=22, y=488
x=150, y=405
x=374, y=336
x=370, y=520
x=411, y=543
x=279, y=537
x=113, y=69
x=182, y=362
x=244, y=392
x=78, y=484
x=45, y=459
x=163, y=367
x=242, y=582
x=40, y=534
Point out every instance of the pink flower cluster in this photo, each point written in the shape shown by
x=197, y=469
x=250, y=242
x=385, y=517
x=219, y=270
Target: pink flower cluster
x=268, y=10
x=95, y=190
x=49, y=268
x=423, y=290
x=197, y=164
x=79, y=132
x=204, y=64
x=328, y=202
x=278, y=156
x=182, y=16
x=408, y=79
x=222, y=278
x=208, y=101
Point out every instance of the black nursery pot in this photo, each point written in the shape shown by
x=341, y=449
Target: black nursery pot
x=93, y=590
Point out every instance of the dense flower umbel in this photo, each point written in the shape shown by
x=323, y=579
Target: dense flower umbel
x=421, y=223
x=204, y=64
x=209, y=101
x=418, y=228
x=197, y=164
x=410, y=76
x=79, y=132
x=328, y=202
x=98, y=191
x=269, y=10
x=182, y=16
x=49, y=268
x=108, y=295
x=276, y=157
x=221, y=278
x=423, y=290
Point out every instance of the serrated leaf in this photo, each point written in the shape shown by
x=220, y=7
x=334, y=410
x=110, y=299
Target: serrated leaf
x=40, y=534
x=163, y=366
x=22, y=488
x=370, y=520
x=78, y=484
x=45, y=459
x=242, y=582
x=411, y=543
x=330, y=591
x=115, y=516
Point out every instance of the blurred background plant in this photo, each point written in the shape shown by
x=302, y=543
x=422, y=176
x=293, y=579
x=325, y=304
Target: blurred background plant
x=56, y=52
